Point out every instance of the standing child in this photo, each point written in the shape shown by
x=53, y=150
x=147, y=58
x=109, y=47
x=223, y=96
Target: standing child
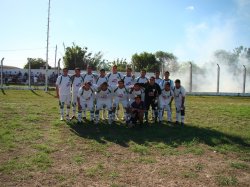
x=165, y=100
x=85, y=101
x=63, y=83
x=179, y=97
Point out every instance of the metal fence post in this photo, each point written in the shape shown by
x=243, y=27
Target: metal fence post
x=29, y=76
x=191, y=77
x=2, y=72
x=218, y=78
x=244, y=79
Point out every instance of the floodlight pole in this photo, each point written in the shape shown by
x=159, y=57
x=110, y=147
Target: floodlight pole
x=191, y=77
x=2, y=72
x=218, y=78
x=47, y=51
x=244, y=79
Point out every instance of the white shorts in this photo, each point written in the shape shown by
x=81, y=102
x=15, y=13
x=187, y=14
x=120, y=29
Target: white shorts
x=74, y=97
x=178, y=106
x=100, y=104
x=66, y=99
x=124, y=103
x=164, y=103
x=87, y=105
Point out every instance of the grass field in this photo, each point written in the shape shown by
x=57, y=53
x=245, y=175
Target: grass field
x=37, y=149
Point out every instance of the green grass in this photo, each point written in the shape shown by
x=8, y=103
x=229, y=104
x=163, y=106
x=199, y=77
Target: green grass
x=34, y=142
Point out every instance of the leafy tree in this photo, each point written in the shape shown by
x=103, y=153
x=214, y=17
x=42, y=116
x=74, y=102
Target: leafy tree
x=121, y=64
x=145, y=61
x=76, y=56
x=36, y=63
x=167, y=60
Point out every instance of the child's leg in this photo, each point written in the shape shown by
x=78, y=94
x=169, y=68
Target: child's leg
x=182, y=116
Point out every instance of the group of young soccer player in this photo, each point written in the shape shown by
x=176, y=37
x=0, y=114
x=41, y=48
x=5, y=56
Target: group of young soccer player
x=108, y=92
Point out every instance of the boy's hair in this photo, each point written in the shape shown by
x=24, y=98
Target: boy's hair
x=102, y=70
x=65, y=69
x=78, y=69
x=137, y=84
x=167, y=72
x=143, y=70
x=121, y=81
x=157, y=71
x=167, y=84
x=138, y=96
x=104, y=84
x=177, y=81
x=129, y=68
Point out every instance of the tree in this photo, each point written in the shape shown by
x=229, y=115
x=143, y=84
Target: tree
x=121, y=64
x=36, y=63
x=145, y=61
x=76, y=56
x=167, y=60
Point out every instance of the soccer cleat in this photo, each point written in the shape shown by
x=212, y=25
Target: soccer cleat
x=73, y=117
x=67, y=118
x=84, y=118
x=182, y=124
x=177, y=122
x=61, y=118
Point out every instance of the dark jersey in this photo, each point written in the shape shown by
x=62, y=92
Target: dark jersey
x=139, y=106
x=152, y=91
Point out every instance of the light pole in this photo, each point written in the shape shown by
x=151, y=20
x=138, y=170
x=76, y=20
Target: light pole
x=47, y=51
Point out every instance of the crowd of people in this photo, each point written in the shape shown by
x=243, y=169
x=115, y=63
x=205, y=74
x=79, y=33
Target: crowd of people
x=17, y=77
x=106, y=92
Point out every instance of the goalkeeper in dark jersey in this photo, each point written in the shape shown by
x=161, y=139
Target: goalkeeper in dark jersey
x=152, y=91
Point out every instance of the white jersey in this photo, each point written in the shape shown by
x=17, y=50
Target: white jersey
x=85, y=95
x=64, y=84
x=158, y=81
x=163, y=83
x=101, y=80
x=166, y=97
x=104, y=95
x=89, y=78
x=121, y=94
x=142, y=80
x=178, y=94
x=128, y=81
x=76, y=83
x=133, y=93
x=114, y=78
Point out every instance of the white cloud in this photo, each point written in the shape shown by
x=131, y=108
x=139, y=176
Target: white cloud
x=191, y=8
x=204, y=38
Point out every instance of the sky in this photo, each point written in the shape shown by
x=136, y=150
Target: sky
x=190, y=29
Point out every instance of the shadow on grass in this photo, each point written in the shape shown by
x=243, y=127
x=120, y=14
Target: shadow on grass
x=35, y=93
x=171, y=135
x=3, y=91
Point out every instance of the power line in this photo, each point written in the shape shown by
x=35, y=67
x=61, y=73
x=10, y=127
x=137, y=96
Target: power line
x=28, y=49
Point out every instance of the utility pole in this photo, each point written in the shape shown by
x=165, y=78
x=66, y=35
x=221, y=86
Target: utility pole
x=191, y=77
x=47, y=50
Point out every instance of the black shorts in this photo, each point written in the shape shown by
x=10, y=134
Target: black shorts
x=151, y=102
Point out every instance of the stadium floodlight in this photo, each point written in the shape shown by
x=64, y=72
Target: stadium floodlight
x=2, y=72
x=244, y=79
x=218, y=78
x=191, y=77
